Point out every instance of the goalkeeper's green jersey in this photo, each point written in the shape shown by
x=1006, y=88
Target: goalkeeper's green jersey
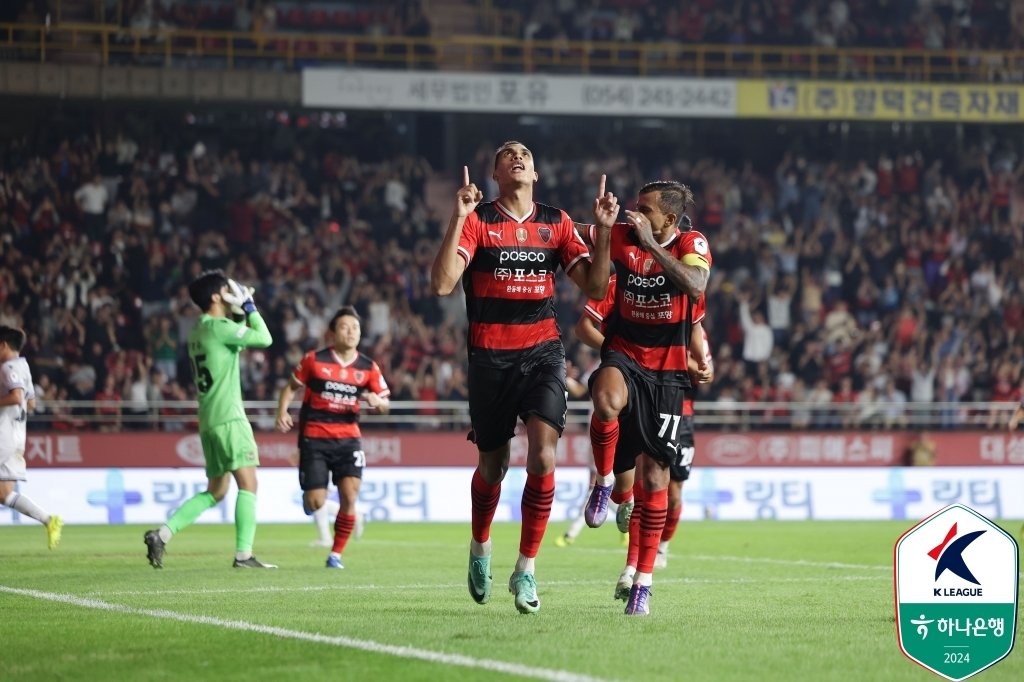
x=213, y=347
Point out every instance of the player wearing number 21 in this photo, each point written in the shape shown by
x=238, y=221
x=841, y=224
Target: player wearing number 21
x=330, y=442
x=229, y=447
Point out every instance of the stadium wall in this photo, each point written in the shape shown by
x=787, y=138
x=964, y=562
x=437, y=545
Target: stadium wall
x=412, y=476
x=451, y=449
x=412, y=494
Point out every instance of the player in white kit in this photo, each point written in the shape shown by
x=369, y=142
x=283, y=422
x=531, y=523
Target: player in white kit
x=17, y=396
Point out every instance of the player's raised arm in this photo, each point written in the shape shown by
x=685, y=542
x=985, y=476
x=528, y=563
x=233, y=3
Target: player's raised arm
x=254, y=334
x=592, y=277
x=690, y=274
x=448, y=266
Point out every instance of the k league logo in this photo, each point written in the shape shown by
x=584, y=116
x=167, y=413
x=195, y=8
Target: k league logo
x=956, y=592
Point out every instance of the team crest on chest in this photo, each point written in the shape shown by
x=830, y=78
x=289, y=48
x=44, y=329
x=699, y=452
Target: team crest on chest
x=648, y=264
x=521, y=234
x=545, y=234
x=360, y=377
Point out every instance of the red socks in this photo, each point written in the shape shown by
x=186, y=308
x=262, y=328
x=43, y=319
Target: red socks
x=538, y=495
x=485, y=501
x=671, y=523
x=652, y=523
x=604, y=436
x=343, y=525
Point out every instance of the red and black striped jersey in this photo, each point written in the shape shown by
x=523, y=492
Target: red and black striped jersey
x=330, y=405
x=651, y=317
x=600, y=310
x=510, y=278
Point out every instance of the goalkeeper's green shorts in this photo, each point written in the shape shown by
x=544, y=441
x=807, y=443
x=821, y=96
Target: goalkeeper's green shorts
x=229, y=447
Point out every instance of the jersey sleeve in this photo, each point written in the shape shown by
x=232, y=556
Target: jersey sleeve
x=470, y=237
x=599, y=309
x=376, y=382
x=235, y=335
x=699, y=310
x=303, y=369
x=696, y=251
x=572, y=248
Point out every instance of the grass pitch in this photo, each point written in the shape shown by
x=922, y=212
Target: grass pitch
x=739, y=601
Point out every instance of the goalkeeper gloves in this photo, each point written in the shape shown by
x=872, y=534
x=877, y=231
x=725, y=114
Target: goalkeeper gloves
x=240, y=298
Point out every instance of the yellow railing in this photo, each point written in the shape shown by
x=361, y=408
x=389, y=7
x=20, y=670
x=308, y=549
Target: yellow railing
x=104, y=44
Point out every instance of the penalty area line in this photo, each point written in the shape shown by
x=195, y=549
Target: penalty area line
x=284, y=633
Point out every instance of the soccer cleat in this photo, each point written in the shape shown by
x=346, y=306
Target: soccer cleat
x=564, y=540
x=53, y=531
x=334, y=561
x=479, y=578
x=597, y=506
x=624, y=539
x=661, y=559
x=154, y=548
x=623, y=515
x=251, y=562
x=637, y=604
x=624, y=585
x=524, y=587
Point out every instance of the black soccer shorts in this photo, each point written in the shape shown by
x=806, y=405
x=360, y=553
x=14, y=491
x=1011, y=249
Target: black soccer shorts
x=340, y=457
x=652, y=421
x=497, y=397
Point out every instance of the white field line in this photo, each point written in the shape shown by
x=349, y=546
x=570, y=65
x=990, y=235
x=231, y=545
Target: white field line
x=446, y=586
x=284, y=633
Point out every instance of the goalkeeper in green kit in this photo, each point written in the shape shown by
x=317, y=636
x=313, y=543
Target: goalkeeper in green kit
x=226, y=435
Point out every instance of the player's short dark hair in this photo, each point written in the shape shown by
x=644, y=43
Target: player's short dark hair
x=13, y=337
x=673, y=197
x=505, y=145
x=205, y=286
x=344, y=311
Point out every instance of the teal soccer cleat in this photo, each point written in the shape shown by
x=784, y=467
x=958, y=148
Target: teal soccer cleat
x=524, y=587
x=479, y=578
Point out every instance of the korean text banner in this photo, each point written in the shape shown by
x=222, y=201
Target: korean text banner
x=515, y=94
x=976, y=103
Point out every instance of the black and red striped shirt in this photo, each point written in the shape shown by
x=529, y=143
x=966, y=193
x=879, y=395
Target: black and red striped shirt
x=600, y=310
x=510, y=279
x=651, y=316
x=330, y=405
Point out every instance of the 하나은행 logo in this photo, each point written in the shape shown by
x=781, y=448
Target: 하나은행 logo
x=955, y=580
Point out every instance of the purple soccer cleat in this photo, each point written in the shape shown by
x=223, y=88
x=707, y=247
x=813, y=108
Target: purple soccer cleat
x=597, y=506
x=637, y=604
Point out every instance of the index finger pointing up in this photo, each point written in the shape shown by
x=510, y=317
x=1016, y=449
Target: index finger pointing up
x=465, y=176
x=600, y=188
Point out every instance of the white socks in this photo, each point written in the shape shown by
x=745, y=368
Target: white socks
x=643, y=579
x=480, y=548
x=165, y=533
x=24, y=505
x=525, y=563
x=324, y=516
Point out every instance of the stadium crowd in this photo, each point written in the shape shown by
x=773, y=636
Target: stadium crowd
x=912, y=24
x=893, y=276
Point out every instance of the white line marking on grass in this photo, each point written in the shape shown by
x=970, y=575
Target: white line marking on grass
x=786, y=562
x=284, y=633
x=452, y=586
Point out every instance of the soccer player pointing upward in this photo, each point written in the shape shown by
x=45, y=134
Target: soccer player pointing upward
x=507, y=251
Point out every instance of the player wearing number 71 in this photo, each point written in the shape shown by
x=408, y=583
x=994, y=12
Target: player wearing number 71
x=229, y=447
x=662, y=268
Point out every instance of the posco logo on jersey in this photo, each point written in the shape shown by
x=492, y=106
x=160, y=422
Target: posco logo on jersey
x=341, y=388
x=522, y=257
x=645, y=282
